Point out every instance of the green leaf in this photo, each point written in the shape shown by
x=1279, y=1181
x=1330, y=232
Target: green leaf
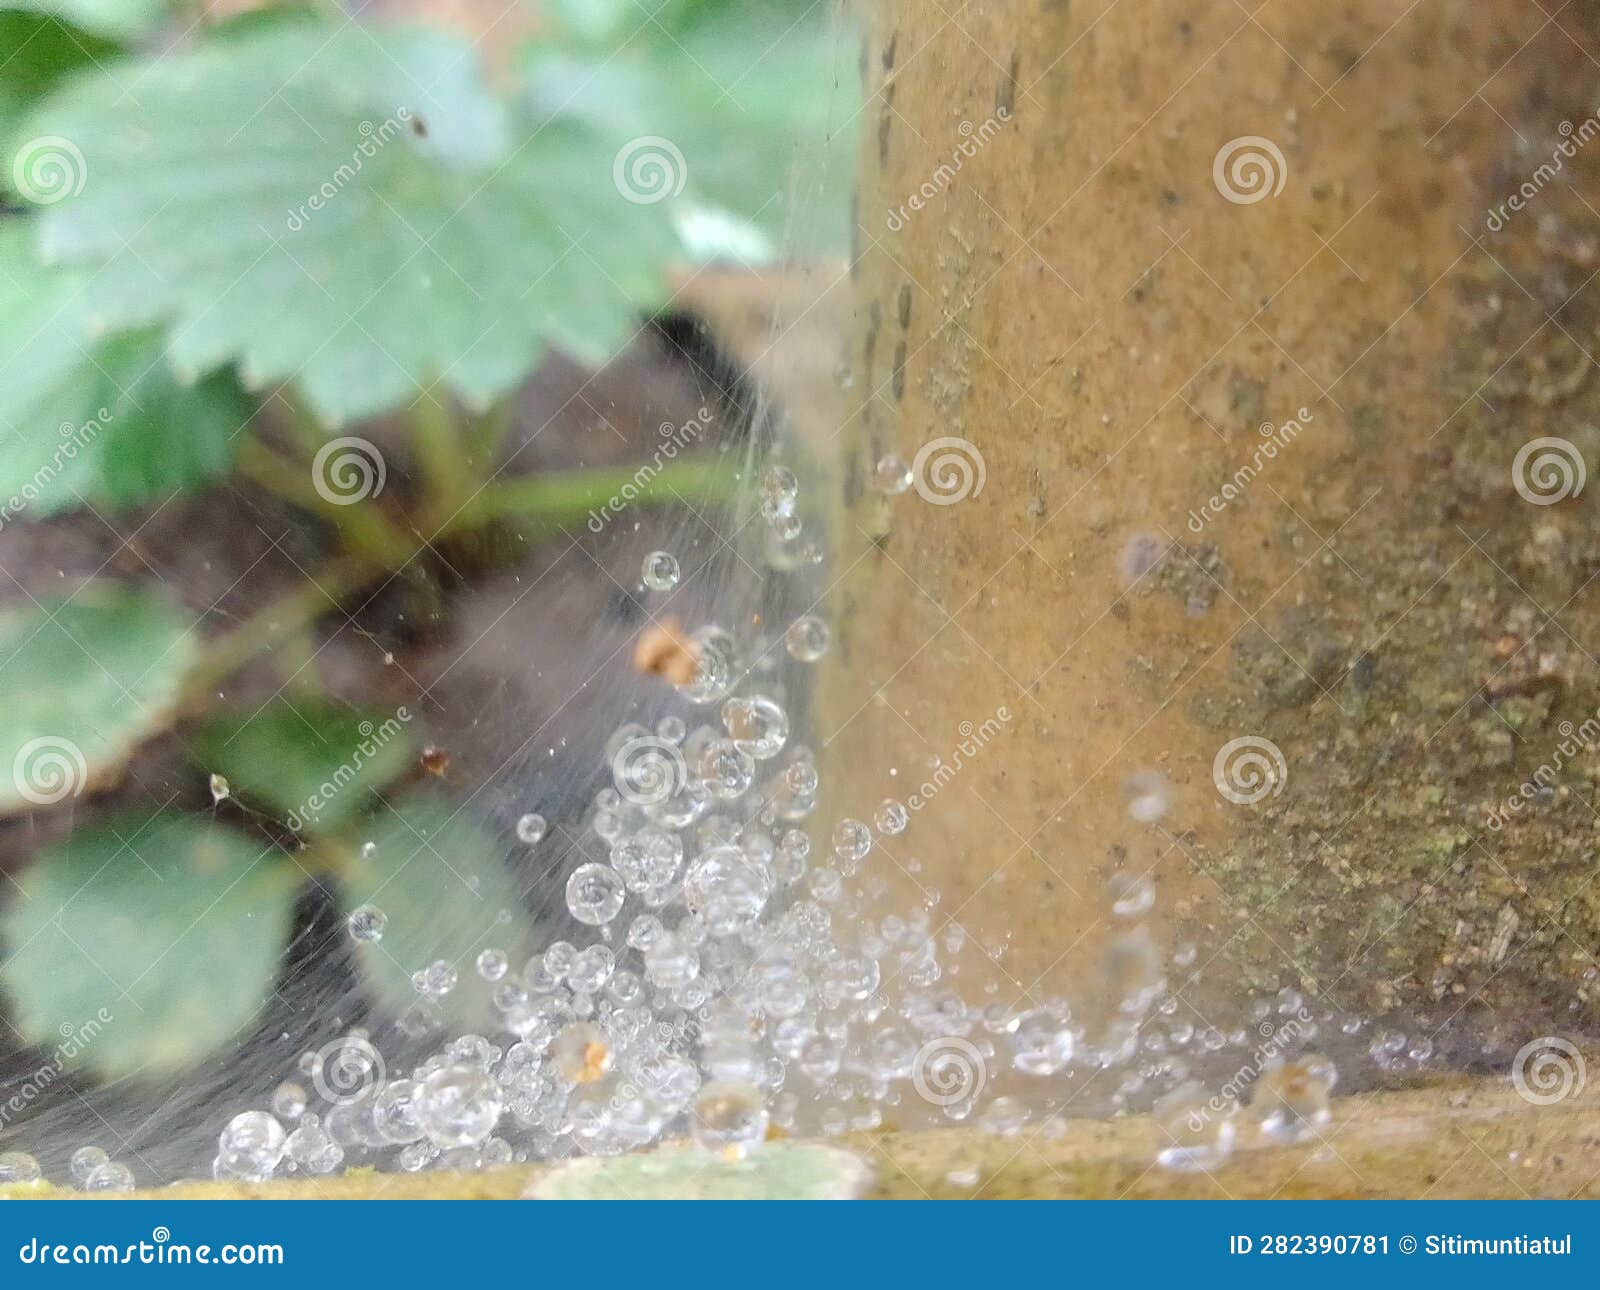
x=97, y=420
x=350, y=209
x=39, y=51
x=760, y=105
x=315, y=764
x=82, y=683
x=444, y=888
x=122, y=19
x=142, y=946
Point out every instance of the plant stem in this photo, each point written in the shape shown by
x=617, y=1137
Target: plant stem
x=599, y=495
x=362, y=524
x=548, y=501
x=276, y=621
x=488, y=432
x=440, y=449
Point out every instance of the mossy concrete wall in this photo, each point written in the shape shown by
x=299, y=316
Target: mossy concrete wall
x=1067, y=260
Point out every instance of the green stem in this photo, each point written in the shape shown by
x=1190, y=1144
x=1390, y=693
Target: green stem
x=308, y=433
x=440, y=449
x=488, y=432
x=361, y=524
x=597, y=497
x=275, y=622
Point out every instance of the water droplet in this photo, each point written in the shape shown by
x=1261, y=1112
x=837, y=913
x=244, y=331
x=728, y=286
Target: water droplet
x=531, y=828
x=312, y=1147
x=458, y=1106
x=251, y=1145
x=492, y=965
x=891, y=476
x=111, y=1176
x=758, y=726
x=85, y=1160
x=726, y=890
x=436, y=980
x=729, y=1118
x=1005, y=1117
x=289, y=1101
x=661, y=572
x=18, y=1167
x=1149, y=796
x=366, y=923
x=595, y=894
x=780, y=489
x=1199, y=1129
x=808, y=638
x=394, y=1112
x=1131, y=894
x=851, y=840
x=891, y=817
x=1292, y=1097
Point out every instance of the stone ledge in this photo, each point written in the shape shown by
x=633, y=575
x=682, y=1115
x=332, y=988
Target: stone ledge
x=1471, y=1139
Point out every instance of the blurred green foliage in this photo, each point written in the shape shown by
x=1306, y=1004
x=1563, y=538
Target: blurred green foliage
x=196, y=215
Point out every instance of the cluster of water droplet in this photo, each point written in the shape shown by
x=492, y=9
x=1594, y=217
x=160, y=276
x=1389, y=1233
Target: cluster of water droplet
x=736, y=977
x=90, y=1170
x=736, y=981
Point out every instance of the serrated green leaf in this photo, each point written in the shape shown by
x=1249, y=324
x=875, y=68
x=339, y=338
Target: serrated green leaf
x=122, y=19
x=760, y=105
x=39, y=51
x=314, y=764
x=141, y=946
x=349, y=209
x=82, y=683
x=446, y=893
x=97, y=420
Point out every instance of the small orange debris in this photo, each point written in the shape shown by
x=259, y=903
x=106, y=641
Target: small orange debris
x=665, y=651
x=435, y=760
x=1507, y=645
x=596, y=1062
